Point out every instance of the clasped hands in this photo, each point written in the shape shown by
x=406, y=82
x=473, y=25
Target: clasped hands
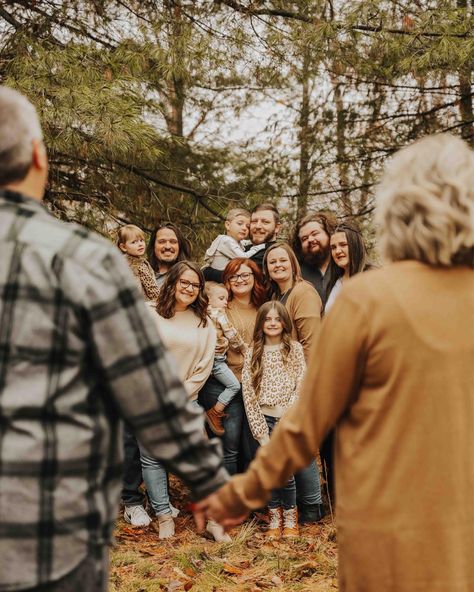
x=212, y=508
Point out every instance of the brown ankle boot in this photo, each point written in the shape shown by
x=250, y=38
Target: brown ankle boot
x=214, y=421
x=274, y=526
x=290, y=523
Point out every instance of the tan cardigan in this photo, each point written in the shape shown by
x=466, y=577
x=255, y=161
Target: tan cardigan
x=394, y=369
x=304, y=307
x=242, y=317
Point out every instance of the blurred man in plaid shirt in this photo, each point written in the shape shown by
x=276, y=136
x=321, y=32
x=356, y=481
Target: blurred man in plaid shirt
x=77, y=353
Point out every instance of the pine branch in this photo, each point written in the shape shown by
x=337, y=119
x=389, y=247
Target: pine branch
x=288, y=14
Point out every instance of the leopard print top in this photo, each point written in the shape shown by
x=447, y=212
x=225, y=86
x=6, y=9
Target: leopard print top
x=279, y=387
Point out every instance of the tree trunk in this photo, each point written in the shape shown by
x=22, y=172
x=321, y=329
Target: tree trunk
x=465, y=90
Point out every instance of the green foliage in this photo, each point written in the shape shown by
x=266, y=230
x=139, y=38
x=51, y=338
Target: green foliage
x=149, y=107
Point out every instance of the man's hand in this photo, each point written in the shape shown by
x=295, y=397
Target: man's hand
x=212, y=507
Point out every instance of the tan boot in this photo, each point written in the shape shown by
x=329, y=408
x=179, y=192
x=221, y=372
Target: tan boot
x=214, y=421
x=166, y=524
x=275, y=523
x=290, y=523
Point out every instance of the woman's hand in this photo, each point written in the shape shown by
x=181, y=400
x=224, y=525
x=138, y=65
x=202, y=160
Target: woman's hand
x=212, y=507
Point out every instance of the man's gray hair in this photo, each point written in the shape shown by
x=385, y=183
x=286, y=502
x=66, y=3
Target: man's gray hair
x=19, y=126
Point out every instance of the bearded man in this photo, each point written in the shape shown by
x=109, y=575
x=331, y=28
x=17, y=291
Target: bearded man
x=167, y=246
x=312, y=248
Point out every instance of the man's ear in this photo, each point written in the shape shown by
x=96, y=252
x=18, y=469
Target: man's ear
x=39, y=157
x=277, y=228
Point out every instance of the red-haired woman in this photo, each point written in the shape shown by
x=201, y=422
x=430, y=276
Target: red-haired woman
x=244, y=282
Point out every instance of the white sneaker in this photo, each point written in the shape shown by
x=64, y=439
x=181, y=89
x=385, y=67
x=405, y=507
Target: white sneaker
x=219, y=534
x=136, y=516
x=174, y=511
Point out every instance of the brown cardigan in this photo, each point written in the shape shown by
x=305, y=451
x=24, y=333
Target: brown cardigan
x=304, y=307
x=394, y=369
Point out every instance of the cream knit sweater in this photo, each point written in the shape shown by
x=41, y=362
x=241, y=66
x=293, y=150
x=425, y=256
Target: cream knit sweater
x=279, y=387
x=192, y=347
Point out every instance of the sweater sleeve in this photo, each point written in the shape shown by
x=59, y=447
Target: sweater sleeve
x=306, y=313
x=147, y=280
x=235, y=340
x=326, y=394
x=230, y=248
x=203, y=368
x=257, y=423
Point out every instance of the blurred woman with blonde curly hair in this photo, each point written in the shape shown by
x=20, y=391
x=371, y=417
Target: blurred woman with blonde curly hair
x=395, y=374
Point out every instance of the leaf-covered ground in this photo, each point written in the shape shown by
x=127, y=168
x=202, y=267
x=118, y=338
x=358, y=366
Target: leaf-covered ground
x=140, y=562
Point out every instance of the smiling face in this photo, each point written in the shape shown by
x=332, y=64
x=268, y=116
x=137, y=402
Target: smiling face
x=186, y=290
x=272, y=325
x=279, y=266
x=314, y=241
x=242, y=282
x=238, y=228
x=340, y=250
x=263, y=227
x=166, y=246
x=134, y=246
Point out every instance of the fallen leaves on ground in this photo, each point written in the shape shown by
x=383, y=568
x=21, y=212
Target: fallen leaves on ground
x=140, y=562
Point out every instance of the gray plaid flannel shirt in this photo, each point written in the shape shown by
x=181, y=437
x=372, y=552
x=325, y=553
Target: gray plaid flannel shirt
x=78, y=351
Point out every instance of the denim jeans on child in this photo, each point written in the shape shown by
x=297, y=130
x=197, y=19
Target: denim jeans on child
x=222, y=373
x=284, y=497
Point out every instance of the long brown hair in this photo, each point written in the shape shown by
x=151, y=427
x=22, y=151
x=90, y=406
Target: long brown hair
x=259, y=291
x=256, y=369
x=184, y=246
x=295, y=266
x=166, y=302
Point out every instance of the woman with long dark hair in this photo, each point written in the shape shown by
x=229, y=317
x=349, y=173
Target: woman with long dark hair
x=349, y=254
x=190, y=337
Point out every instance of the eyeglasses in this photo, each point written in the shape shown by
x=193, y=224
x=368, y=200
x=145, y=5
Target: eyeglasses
x=240, y=276
x=186, y=285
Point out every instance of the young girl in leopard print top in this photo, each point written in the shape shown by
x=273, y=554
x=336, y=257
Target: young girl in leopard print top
x=273, y=371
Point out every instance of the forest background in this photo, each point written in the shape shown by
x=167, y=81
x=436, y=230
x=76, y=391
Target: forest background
x=179, y=109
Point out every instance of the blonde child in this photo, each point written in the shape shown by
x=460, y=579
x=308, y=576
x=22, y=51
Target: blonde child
x=226, y=336
x=273, y=370
x=229, y=246
x=131, y=241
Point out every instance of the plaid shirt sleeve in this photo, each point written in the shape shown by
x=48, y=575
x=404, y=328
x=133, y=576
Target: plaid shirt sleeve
x=139, y=377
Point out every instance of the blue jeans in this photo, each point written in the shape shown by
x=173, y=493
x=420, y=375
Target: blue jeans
x=284, y=497
x=308, y=485
x=232, y=423
x=132, y=470
x=225, y=376
x=156, y=482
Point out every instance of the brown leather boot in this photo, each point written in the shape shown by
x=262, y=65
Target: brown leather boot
x=275, y=522
x=214, y=421
x=290, y=523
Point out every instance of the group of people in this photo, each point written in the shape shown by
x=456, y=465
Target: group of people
x=390, y=367
x=241, y=341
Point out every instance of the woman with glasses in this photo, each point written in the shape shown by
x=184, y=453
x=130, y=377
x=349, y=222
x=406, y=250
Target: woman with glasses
x=190, y=337
x=244, y=282
x=304, y=307
x=349, y=254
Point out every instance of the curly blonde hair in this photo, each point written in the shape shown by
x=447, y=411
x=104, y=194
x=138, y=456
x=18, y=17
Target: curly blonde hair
x=426, y=203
